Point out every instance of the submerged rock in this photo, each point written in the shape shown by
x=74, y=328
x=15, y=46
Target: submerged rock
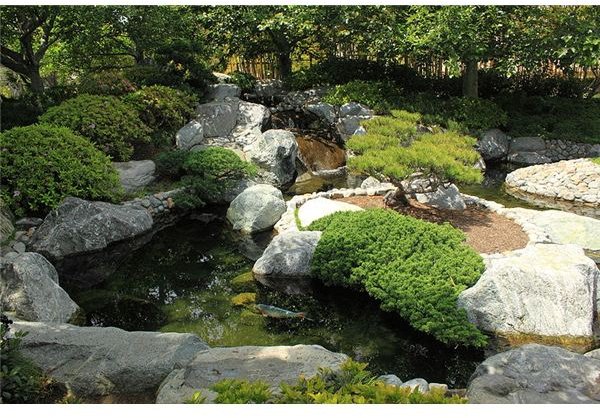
x=274, y=365
x=79, y=226
x=543, y=289
x=94, y=361
x=320, y=207
x=29, y=287
x=533, y=374
x=256, y=209
x=135, y=175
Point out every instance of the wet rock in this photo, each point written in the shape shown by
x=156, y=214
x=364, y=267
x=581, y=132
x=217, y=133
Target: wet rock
x=79, y=226
x=274, y=365
x=320, y=207
x=94, y=361
x=275, y=152
x=190, y=135
x=445, y=197
x=288, y=256
x=218, y=92
x=533, y=374
x=256, y=209
x=493, y=145
x=543, y=289
x=135, y=175
x=29, y=287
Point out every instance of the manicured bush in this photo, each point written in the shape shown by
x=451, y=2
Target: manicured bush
x=108, y=82
x=413, y=267
x=113, y=126
x=149, y=75
x=163, y=109
x=351, y=384
x=245, y=81
x=42, y=164
x=379, y=96
x=209, y=173
x=169, y=164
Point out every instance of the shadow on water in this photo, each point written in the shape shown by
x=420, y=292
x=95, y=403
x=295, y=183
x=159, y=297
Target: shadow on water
x=185, y=278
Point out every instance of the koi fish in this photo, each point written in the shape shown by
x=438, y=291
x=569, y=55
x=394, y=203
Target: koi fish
x=275, y=312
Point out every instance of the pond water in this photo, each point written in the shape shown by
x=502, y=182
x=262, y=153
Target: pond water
x=192, y=276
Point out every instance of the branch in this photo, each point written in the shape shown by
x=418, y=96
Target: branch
x=12, y=60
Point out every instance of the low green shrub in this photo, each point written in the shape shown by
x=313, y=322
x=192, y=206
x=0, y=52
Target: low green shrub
x=42, y=164
x=113, y=126
x=412, y=267
x=169, y=164
x=107, y=82
x=379, y=96
x=209, y=173
x=163, y=109
x=352, y=384
x=150, y=75
x=245, y=81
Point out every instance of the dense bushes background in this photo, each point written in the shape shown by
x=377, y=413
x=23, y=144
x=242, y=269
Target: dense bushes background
x=43, y=164
x=412, y=267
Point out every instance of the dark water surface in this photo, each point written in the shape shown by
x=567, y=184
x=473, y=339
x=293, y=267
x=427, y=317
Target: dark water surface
x=190, y=277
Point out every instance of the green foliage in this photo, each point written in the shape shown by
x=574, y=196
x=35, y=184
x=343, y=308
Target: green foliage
x=349, y=385
x=245, y=81
x=412, y=267
x=210, y=172
x=113, y=126
x=42, y=164
x=105, y=83
x=393, y=149
x=553, y=117
x=149, y=75
x=379, y=96
x=163, y=109
x=169, y=164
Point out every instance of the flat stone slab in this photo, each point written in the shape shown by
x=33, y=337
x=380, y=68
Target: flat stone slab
x=533, y=374
x=273, y=365
x=320, y=207
x=95, y=361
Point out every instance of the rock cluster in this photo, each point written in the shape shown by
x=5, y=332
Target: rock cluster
x=572, y=185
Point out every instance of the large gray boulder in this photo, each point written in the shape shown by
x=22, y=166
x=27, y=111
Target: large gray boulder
x=527, y=158
x=252, y=116
x=533, y=374
x=29, y=287
x=135, y=175
x=94, y=361
x=7, y=227
x=493, y=145
x=218, y=92
x=543, y=289
x=355, y=109
x=218, y=118
x=275, y=152
x=444, y=197
x=256, y=209
x=288, y=255
x=273, y=365
x=190, y=135
x=527, y=144
x=79, y=226
x=320, y=207
x=324, y=111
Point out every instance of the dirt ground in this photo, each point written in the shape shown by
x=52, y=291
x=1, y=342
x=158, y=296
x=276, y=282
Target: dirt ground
x=487, y=232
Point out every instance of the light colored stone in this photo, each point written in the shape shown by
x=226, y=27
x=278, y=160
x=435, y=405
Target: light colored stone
x=324, y=111
x=218, y=92
x=135, y=175
x=274, y=365
x=320, y=207
x=251, y=116
x=543, y=289
x=275, y=152
x=370, y=182
x=256, y=209
x=493, y=145
x=390, y=379
x=29, y=287
x=95, y=361
x=416, y=384
x=355, y=109
x=534, y=374
x=288, y=256
x=79, y=226
x=218, y=118
x=190, y=135
x=443, y=198
x=595, y=354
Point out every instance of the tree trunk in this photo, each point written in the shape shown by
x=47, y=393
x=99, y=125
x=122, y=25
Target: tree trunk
x=36, y=84
x=285, y=65
x=470, y=79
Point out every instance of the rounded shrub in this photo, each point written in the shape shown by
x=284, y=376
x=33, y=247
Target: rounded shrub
x=43, y=164
x=163, y=109
x=108, y=82
x=413, y=267
x=113, y=126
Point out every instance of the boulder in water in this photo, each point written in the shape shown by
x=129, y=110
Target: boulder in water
x=256, y=209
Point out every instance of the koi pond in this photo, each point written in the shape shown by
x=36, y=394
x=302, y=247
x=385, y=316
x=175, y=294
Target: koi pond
x=196, y=277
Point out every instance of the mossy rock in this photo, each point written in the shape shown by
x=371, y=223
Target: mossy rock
x=243, y=299
x=243, y=283
x=248, y=317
